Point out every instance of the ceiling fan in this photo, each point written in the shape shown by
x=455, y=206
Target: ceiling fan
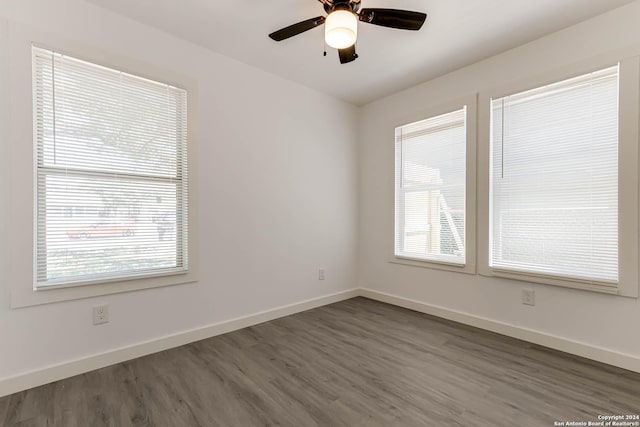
x=341, y=29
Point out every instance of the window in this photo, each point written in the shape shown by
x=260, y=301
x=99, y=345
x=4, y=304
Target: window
x=111, y=174
x=431, y=202
x=554, y=179
x=561, y=181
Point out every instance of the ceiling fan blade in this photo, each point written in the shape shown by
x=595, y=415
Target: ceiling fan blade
x=394, y=18
x=295, y=29
x=348, y=54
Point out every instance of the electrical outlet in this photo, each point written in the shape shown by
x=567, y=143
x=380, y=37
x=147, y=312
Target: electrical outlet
x=100, y=314
x=528, y=297
x=321, y=274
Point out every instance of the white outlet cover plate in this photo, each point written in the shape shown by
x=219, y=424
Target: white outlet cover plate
x=529, y=297
x=100, y=314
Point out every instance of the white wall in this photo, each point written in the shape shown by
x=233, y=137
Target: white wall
x=597, y=320
x=276, y=193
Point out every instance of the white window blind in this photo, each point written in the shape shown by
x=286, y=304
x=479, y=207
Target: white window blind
x=554, y=180
x=111, y=173
x=430, y=189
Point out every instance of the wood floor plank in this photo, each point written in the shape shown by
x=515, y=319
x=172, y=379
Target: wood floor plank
x=357, y=363
x=4, y=406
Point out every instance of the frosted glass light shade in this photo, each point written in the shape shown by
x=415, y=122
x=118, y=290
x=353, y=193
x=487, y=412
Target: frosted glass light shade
x=341, y=29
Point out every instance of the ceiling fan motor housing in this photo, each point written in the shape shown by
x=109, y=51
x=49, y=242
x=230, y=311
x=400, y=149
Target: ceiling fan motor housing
x=331, y=5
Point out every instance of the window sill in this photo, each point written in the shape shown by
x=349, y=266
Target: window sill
x=584, y=285
x=100, y=281
x=23, y=296
x=436, y=265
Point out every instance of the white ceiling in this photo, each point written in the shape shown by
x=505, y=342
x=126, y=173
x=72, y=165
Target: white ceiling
x=456, y=33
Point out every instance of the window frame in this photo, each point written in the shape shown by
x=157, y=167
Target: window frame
x=469, y=267
x=628, y=133
x=43, y=171
x=22, y=274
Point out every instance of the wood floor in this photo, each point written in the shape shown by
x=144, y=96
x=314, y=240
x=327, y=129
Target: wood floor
x=354, y=363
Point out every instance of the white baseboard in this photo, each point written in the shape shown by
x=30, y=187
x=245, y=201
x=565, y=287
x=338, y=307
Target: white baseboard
x=60, y=371
x=599, y=354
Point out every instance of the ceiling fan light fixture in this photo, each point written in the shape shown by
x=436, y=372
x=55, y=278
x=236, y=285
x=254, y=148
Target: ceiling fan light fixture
x=341, y=29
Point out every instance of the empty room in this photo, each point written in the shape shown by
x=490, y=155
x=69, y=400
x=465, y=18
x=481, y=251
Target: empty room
x=359, y=213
